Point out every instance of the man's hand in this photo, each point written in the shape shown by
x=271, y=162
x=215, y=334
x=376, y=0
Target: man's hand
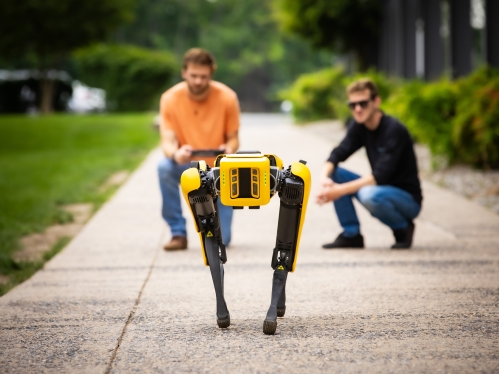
x=226, y=149
x=183, y=155
x=231, y=143
x=325, y=184
x=223, y=148
x=330, y=193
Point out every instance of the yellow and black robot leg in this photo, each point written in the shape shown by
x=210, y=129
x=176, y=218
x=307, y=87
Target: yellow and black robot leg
x=291, y=193
x=215, y=255
x=205, y=210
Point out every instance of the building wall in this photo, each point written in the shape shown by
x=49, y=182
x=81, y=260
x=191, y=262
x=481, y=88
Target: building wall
x=413, y=41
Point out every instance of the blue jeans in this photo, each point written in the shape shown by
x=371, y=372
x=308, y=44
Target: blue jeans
x=169, y=174
x=391, y=205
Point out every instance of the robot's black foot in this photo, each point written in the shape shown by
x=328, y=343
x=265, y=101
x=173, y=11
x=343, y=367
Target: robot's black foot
x=269, y=327
x=223, y=323
x=278, y=301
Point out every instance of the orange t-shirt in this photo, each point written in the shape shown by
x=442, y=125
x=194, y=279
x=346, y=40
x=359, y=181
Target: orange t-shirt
x=203, y=125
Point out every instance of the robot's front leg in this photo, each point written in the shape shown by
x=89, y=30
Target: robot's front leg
x=278, y=300
x=215, y=261
x=281, y=304
x=198, y=192
x=293, y=192
x=213, y=247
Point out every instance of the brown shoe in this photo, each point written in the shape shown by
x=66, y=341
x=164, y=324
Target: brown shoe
x=177, y=242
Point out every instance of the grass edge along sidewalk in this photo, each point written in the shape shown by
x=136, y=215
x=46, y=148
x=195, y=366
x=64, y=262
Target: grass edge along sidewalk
x=49, y=162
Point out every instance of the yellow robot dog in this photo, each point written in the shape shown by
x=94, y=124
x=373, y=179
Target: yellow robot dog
x=248, y=179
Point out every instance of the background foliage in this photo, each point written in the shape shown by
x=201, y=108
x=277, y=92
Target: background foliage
x=253, y=57
x=458, y=120
x=476, y=126
x=427, y=110
x=133, y=77
x=322, y=95
x=47, y=30
x=345, y=26
x=312, y=94
x=41, y=34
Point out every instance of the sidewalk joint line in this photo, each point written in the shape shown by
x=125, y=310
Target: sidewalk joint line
x=134, y=308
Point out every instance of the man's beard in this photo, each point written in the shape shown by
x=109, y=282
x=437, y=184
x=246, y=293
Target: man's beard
x=199, y=91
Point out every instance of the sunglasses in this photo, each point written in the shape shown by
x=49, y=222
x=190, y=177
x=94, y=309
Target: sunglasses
x=363, y=104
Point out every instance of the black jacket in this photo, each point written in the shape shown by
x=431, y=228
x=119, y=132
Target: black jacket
x=390, y=152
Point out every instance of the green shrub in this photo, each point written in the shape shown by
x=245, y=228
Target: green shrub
x=476, y=126
x=322, y=95
x=427, y=110
x=458, y=120
x=132, y=77
x=311, y=94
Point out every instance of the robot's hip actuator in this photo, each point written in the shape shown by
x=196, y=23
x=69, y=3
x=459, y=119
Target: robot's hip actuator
x=248, y=179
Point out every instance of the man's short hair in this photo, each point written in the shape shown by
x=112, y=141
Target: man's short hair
x=362, y=85
x=198, y=56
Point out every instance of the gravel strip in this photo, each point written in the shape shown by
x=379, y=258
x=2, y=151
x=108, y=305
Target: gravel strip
x=480, y=186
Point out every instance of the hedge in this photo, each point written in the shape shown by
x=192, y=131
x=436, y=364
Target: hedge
x=132, y=77
x=458, y=120
x=321, y=95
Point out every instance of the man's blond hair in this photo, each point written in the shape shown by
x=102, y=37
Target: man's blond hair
x=362, y=85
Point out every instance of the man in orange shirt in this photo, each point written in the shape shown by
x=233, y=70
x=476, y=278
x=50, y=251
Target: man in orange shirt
x=197, y=113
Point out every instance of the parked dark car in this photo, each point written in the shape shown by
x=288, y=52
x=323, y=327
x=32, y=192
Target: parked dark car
x=20, y=90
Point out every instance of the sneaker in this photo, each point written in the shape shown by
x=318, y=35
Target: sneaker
x=177, y=242
x=403, y=237
x=342, y=241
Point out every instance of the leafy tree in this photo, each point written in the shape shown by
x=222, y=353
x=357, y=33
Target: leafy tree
x=340, y=25
x=44, y=32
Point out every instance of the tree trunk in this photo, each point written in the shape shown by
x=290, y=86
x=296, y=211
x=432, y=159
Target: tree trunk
x=47, y=94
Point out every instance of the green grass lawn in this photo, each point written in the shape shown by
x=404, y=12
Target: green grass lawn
x=47, y=162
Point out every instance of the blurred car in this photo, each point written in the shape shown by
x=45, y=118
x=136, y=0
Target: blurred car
x=86, y=99
x=20, y=90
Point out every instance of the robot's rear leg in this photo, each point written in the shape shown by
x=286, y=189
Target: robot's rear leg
x=217, y=274
x=277, y=303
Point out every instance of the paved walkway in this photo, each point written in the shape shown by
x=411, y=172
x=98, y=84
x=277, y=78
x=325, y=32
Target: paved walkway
x=114, y=301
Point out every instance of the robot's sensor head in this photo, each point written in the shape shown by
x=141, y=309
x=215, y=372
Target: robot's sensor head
x=245, y=179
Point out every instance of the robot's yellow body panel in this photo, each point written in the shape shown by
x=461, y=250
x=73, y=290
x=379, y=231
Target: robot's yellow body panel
x=248, y=179
x=303, y=172
x=190, y=181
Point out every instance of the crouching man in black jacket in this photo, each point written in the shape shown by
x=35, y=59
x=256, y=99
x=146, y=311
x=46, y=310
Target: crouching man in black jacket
x=392, y=193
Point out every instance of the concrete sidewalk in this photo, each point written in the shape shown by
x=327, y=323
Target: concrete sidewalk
x=114, y=301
